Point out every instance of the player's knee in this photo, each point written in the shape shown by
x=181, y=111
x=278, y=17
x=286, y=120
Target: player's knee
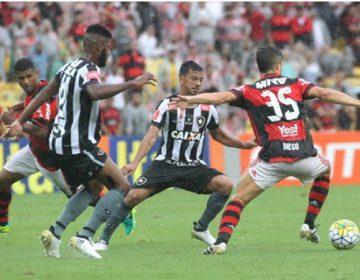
x=134, y=197
x=223, y=185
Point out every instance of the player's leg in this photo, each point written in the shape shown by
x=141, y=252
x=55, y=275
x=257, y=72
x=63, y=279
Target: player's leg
x=246, y=191
x=319, y=168
x=20, y=165
x=7, y=178
x=219, y=186
x=260, y=176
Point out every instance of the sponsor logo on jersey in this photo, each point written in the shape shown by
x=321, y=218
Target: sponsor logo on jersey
x=107, y=211
x=289, y=131
x=141, y=180
x=93, y=75
x=200, y=121
x=156, y=115
x=186, y=135
x=205, y=108
x=269, y=82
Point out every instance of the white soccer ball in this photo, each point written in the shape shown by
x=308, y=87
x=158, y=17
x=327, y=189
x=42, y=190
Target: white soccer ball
x=343, y=234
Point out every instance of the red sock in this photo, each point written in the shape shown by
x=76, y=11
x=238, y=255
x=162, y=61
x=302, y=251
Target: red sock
x=317, y=197
x=5, y=200
x=229, y=220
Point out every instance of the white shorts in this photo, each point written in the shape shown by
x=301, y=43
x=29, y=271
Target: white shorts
x=267, y=174
x=25, y=163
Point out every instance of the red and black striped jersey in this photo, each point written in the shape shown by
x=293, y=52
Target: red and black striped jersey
x=275, y=105
x=44, y=116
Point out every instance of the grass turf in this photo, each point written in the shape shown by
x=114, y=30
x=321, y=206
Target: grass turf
x=265, y=245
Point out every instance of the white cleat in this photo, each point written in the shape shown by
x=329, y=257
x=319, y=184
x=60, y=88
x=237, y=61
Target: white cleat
x=309, y=234
x=101, y=245
x=204, y=236
x=51, y=244
x=84, y=246
x=215, y=249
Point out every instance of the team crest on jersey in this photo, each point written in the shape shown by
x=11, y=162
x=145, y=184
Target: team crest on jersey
x=141, y=180
x=200, y=121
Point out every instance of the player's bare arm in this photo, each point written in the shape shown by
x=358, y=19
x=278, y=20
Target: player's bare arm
x=214, y=98
x=333, y=96
x=224, y=138
x=144, y=148
x=35, y=130
x=16, y=128
x=102, y=91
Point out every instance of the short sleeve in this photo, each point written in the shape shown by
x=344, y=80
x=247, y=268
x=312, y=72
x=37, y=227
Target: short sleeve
x=90, y=74
x=213, y=119
x=159, y=116
x=239, y=93
x=59, y=73
x=305, y=86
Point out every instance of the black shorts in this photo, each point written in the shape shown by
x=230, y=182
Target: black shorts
x=161, y=175
x=81, y=168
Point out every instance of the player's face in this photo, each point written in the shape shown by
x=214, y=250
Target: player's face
x=27, y=80
x=104, y=54
x=191, y=82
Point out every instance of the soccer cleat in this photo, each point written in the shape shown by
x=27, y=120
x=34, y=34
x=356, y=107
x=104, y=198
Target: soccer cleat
x=51, y=244
x=101, y=245
x=5, y=228
x=309, y=234
x=204, y=236
x=215, y=249
x=130, y=222
x=84, y=246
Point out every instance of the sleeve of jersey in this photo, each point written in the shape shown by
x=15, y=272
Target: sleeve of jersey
x=214, y=119
x=240, y=100
x=59, y=73
x=159, y=116
x=90, y=75
x=305, y=86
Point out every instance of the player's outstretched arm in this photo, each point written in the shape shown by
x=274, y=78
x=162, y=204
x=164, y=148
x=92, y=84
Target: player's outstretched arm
x=224, y=138
x=333, y=96
x=144, y=148
x=215, y=98
x=99, y=91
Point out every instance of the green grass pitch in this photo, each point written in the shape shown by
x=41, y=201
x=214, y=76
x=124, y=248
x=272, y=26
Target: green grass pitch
x=265, y=245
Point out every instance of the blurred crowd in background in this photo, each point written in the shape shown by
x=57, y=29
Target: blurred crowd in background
x=320, y=42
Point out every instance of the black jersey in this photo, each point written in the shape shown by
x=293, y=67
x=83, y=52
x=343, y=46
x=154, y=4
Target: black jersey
x=77, y=123
x=183, y=136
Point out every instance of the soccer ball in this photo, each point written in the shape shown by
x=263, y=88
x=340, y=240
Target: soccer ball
x=343, y=234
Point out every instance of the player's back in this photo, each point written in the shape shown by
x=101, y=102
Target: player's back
x=275, y=105
x=77, y=123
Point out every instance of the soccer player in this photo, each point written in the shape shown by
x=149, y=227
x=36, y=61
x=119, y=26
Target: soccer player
x=178, y=162
x=76, y=131
x=275, y=105
x=35, y=156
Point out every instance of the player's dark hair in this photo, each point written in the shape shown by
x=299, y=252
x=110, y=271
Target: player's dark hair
x=99, y=30
x=267, y=58
x=24, y=64
x=189, y=65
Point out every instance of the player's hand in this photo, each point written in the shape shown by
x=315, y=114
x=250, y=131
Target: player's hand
x=250, y=144
x=128, y=169
x=179, y=101
x=146, y=79
x=15, y=129
x=7, y=117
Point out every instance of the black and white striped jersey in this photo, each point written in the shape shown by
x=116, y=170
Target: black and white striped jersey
x=77, y=123
x=183, y=135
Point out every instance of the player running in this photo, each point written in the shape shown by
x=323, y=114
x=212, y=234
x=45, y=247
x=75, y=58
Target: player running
x=275, y=105
x=76, y=131
x=179, y=161
x=35, y=156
